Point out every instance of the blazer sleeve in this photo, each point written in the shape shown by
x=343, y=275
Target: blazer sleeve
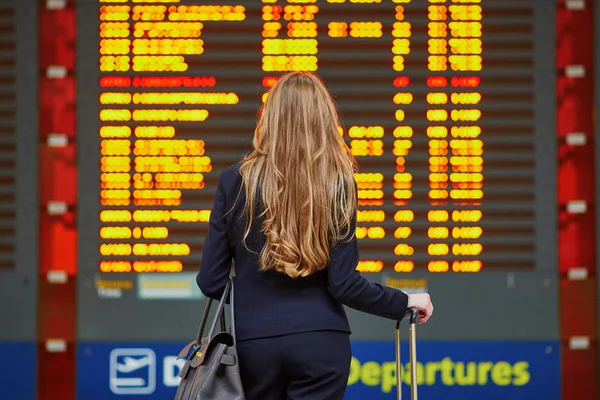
x=350, y=288
x=216, y=254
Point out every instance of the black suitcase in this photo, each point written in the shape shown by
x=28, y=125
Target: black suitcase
x=412, y=340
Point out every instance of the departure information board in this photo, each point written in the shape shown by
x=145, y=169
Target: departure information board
x=436, y=99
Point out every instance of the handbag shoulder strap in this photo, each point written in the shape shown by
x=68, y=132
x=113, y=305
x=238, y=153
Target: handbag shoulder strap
x=232, y=313
x=219, y=315
x=203, y=322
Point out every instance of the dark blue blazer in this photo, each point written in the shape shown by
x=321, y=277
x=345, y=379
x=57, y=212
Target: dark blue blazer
x=270, y=303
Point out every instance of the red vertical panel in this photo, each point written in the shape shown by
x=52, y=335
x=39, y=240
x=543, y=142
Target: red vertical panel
x=58, y=183
x=577, y=232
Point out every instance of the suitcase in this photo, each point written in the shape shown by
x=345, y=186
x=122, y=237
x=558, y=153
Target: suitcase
x=412, y=331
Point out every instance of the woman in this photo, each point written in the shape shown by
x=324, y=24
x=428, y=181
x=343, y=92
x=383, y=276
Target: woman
x=287, y=215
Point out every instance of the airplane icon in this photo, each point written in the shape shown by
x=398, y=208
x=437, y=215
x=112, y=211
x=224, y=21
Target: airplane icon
x=132, y=371
x=132, y=364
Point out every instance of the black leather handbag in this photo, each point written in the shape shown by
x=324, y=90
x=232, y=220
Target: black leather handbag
x=211, y=370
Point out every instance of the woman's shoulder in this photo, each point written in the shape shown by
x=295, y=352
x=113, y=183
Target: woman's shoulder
x=231, y=171
x=230, y=178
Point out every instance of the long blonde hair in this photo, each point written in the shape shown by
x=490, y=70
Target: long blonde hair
x=302, y=173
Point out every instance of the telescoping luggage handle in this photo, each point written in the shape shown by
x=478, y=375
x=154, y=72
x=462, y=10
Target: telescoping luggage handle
x=414, y=316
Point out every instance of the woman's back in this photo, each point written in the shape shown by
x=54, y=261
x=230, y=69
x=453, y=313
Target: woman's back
x=270, y=303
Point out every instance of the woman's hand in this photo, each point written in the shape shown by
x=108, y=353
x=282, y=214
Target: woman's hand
x=422, y=303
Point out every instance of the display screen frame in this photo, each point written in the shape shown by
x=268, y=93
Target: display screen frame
x=18, y=284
